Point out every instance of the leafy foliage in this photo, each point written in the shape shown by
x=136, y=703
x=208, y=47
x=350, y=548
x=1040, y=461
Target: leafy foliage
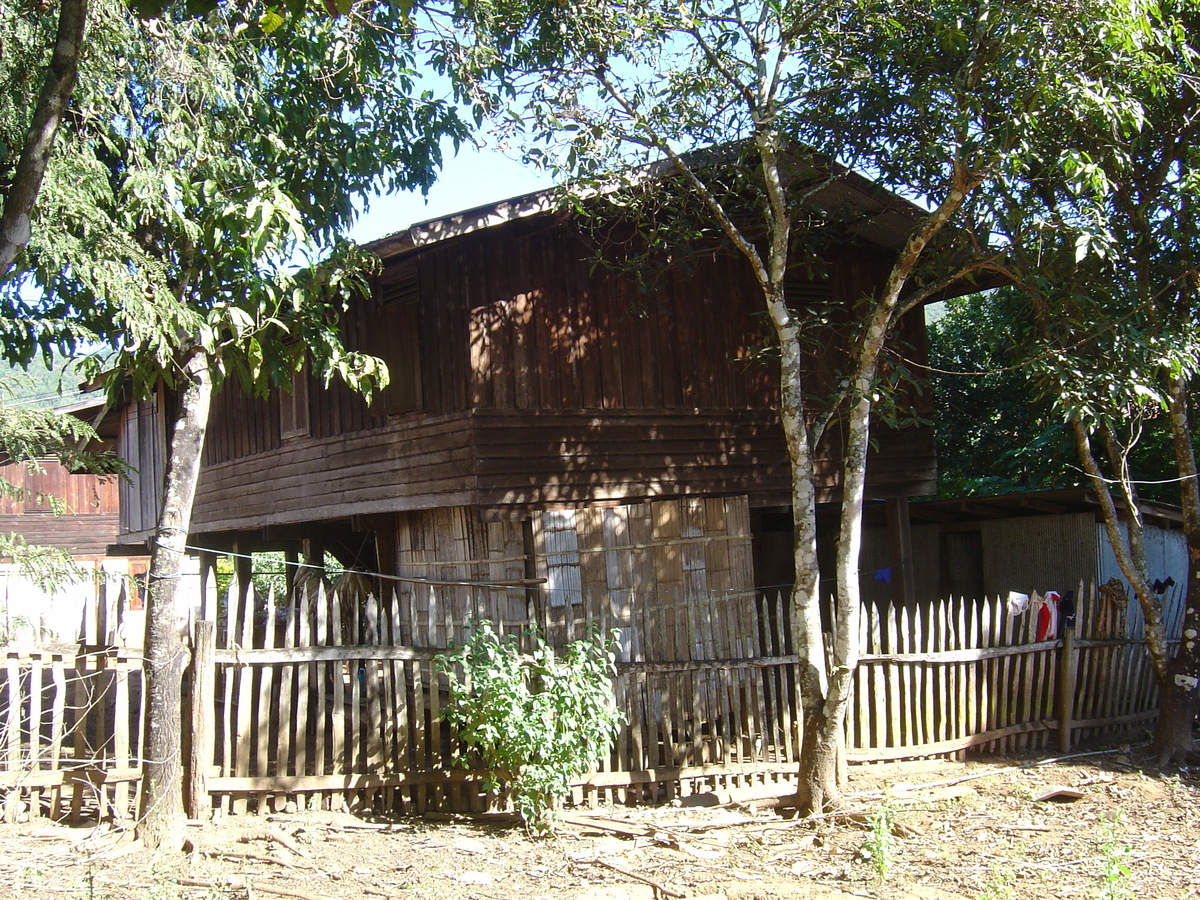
x=200, y=161
x=536, y=720
x=27, y=435
x=1115, y=871
x=1000, y=429
x=1106, y=225
x=881, y=844
x=996, y=431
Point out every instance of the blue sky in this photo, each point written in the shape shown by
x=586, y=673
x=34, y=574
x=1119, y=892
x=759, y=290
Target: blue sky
x=473, y=177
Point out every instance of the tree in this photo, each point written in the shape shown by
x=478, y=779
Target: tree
x=198, y=158
x=58, y=84
x=20, y=193
x=1108, y=268
x=937, y=99
x=996, y=431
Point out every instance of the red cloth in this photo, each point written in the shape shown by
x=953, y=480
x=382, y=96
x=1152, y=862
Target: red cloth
x=1047, y=624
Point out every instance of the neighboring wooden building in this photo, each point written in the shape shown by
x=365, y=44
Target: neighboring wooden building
x=89, y=505
x=85, y=525
x=541, y=411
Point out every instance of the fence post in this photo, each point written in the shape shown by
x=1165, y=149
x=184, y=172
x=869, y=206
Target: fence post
x=1067, y=669
x=200, y=756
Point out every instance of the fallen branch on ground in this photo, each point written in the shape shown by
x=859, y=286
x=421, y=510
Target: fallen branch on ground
x=230, y=853
x=635, y=876
x=240, y=884
x=897, y=789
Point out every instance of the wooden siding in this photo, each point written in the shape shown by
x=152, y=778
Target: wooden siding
x=566, y=568
x=443, y=556
x=89, y=522
x=408, y=464
x=540, y=458
x=558, y=332
x=544, y=379
x=142, y=444
x=83, y=536
x=82, y=493
x=510, y=459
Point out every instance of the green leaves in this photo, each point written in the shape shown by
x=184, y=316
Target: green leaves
x=206, y=171
x=271, y=21
x=536, y=720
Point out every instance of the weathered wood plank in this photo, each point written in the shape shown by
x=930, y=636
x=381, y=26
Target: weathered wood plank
x=200, y=757
x=241, y=591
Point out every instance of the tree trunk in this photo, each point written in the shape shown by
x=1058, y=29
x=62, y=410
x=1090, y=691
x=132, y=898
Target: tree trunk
x=1179, y=694
x=819, y=790
x=1179, y=704
x=61, y=75
x=161, y=815
x=807, y=637
x=1138, y=578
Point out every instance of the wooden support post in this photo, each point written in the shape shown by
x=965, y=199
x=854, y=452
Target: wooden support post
x=1067, y=669
x=904, y=589
x=200, y=757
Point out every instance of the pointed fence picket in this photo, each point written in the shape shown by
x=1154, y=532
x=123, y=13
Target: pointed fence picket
x=70, y=732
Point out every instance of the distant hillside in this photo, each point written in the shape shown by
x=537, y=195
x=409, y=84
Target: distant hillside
x=40, y=386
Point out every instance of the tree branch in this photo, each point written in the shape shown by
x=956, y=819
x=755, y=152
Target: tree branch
x=61, y=75
x=706, y=196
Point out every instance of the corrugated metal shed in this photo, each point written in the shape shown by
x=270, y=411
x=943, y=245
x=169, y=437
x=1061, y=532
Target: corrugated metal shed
x=1038, y=553
x=1038, y=541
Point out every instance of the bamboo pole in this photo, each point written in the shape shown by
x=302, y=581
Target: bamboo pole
x=1066, y=689
x=200, y=757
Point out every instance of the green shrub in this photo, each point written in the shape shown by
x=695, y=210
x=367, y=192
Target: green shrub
x=1114, y=874
x=537, y=721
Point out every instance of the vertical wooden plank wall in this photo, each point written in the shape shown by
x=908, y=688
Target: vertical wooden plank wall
x=705, y=681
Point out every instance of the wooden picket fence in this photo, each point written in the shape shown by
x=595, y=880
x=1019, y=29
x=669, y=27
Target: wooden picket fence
x=323, y=703
x=70, y=732
x=946, y=677
x=333, y=699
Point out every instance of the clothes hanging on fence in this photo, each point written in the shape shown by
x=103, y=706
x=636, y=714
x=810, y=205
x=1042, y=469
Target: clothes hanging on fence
x=1017, y=603
x=1047, y=613
x=1066, y=611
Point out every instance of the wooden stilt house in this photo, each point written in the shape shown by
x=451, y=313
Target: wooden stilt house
x=555, y=447
x=535, y=394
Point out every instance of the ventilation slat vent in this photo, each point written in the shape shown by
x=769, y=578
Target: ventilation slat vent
x=806, y=294
x=403, y=290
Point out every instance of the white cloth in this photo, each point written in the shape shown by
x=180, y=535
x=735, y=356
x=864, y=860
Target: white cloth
x=1017, y=603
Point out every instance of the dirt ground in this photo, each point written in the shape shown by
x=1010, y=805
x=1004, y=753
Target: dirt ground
x=976, y=830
